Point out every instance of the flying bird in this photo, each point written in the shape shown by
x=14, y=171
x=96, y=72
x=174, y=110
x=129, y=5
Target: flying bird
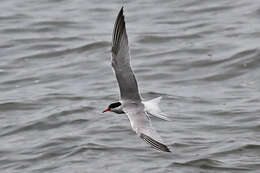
x=131, y=102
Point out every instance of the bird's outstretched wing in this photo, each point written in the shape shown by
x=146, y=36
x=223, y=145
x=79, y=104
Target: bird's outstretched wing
x=157, y=145
x=121, y=61
x=141, y=124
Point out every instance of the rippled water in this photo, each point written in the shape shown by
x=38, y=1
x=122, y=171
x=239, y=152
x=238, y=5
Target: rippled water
x=203, y=57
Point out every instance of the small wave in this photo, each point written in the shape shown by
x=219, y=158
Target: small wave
x=57, y=141
x=10, y=106
x=204, y=162
x=232, y=67
x=161, y=39
x=208, y=9
x=70, y=112
x=45, y=39
x=247, y=147
x=207, y=163
x=46, y=123
x=54, y=23
x=246, y=58
x=58, y=96
x=91, y=46
x=17, y=30
x=16, y=16
x=20, y=81
x=32, y=126
x=179, y=52
x=174, y=22
x=229, y=61
x=99, y=148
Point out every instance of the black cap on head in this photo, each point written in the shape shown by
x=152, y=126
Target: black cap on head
x=114, y=105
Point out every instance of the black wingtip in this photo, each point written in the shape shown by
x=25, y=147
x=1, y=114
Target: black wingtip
x=122, y=9
x=118, y=32
x=121, y=12
x=155, y=144
x=168, y=150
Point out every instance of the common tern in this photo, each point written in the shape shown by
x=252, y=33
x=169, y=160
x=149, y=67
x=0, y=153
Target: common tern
x=131, y=102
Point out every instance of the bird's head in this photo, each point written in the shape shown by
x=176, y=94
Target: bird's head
x=114, y=107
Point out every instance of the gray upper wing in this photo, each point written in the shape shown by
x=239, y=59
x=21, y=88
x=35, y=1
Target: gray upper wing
x=141, y=124
x=121, y=61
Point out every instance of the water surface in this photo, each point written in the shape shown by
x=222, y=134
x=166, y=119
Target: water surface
x=203, y=57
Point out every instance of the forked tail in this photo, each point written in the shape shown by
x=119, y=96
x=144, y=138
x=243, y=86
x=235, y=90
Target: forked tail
x=152, y=108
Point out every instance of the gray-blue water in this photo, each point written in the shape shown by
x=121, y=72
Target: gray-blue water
x=202, y=56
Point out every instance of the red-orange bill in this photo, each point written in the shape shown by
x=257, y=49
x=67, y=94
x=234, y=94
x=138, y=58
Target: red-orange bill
x=106, y=110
